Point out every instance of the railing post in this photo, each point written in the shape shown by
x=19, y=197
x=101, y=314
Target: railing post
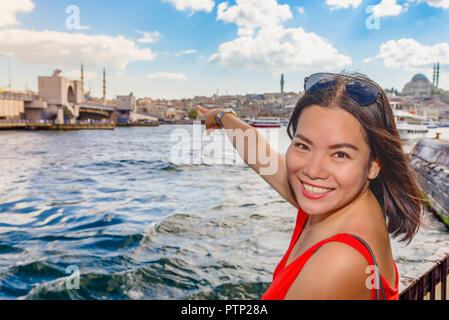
x=443, y=279
x=420, y=294
x=432, y=284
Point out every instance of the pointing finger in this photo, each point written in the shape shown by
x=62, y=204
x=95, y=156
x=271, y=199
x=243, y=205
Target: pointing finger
x=202, y=109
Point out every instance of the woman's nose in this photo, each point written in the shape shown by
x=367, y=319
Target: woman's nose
x=316, y=168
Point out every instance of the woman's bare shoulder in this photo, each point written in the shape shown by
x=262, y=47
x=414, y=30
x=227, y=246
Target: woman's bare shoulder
x=335, y=271
x=375, y=233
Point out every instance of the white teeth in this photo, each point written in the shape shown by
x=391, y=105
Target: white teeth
x=315, y=189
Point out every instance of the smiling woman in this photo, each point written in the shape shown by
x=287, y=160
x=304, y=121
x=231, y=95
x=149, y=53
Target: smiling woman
x=346, y=173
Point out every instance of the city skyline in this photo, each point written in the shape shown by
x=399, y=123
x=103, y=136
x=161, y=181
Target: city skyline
x=177, y=49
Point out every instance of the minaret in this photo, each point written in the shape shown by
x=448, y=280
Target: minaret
x=82, y=79
x=438, y=73
x=104, y=84
x=434, y=74
x=282, y=83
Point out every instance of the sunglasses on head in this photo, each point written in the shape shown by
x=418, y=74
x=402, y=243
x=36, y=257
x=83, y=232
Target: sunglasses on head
x=363, y=92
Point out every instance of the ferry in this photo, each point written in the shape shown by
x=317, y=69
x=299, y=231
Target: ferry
x=430, y=124
x=443, y=124
x=409, y=121
x=265, y=122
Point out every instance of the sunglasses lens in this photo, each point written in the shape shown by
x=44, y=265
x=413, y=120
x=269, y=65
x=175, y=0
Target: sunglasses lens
x=364, y=93
x=320, y=81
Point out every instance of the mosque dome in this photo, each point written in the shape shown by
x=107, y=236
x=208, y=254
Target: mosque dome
x=419, y=77
x=419, y=85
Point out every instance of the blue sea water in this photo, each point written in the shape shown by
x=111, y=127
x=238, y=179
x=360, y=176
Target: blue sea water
x=114, y=207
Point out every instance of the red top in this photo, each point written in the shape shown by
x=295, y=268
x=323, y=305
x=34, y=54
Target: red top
x=284, y=277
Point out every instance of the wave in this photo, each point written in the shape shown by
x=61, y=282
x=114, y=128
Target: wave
x=162, y=278
x=232, y=291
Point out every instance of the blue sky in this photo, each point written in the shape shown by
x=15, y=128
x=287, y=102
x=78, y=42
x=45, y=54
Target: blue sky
x=182, y=48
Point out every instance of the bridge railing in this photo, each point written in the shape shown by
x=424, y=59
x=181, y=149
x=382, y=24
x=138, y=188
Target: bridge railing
x=25, y=122
x=431, y=285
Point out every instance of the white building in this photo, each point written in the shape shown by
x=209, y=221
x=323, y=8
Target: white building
x=58, y=99
x=126, y=108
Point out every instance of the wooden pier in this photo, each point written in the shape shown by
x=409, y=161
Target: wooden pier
x=77, y=125
x=138, y=124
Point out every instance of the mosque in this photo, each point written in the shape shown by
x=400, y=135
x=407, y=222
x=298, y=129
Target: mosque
x=420, y=86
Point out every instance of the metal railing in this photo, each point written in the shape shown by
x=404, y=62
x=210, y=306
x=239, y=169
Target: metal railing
x=432, y=285
x=88, y=121
x=10, y=95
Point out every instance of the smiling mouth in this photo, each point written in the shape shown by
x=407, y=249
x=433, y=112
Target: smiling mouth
x=316, y=190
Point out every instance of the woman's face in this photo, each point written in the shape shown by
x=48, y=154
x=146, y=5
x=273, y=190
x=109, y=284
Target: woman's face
x=328, y=160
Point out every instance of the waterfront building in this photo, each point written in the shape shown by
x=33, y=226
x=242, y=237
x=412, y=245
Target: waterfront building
x=12, y=105
x=126, y=108
x=58, y=99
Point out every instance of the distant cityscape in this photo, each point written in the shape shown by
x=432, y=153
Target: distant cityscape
x=62, y=100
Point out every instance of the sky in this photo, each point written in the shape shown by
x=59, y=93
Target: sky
x=174, y=49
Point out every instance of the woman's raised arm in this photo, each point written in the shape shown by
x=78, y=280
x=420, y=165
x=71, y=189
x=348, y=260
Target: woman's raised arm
x=254, y=149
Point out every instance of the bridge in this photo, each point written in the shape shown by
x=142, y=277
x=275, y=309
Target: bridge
x=150, y=115
x=95, y=111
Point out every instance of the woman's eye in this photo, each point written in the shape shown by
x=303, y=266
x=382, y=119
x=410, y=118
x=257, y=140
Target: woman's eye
x=341, y=155
x=301, y=146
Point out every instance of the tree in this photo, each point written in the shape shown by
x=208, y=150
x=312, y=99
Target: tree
x=193, y=114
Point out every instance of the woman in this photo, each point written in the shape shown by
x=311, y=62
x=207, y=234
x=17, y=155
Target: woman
x=346, y=172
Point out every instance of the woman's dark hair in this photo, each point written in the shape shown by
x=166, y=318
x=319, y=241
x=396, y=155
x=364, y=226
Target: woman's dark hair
x=395, y=188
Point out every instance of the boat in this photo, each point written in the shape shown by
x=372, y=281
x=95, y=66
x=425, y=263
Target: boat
x=265, y=122
x=443, y=124
x=409, y=121
x=430, y=159
x=431, y=124
x=285, y=122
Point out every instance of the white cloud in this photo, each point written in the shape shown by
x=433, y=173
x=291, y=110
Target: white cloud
x=193, y=5
x=264, y=43
x=251, y=14
x=9, y=9
x=279, y=49
x=444, y=81
x=76, y=75
x=300, y=10
x=69, y=49
x=434, y=3
x=411, y=55
x=148, y=37
x=184, y=52
x=388, y=8
x=167, y=75
x=343, y=4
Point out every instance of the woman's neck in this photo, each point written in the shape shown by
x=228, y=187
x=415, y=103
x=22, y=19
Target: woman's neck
x=336, y=219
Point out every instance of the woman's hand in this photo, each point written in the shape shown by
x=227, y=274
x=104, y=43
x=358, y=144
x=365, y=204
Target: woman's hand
x=211, y=117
